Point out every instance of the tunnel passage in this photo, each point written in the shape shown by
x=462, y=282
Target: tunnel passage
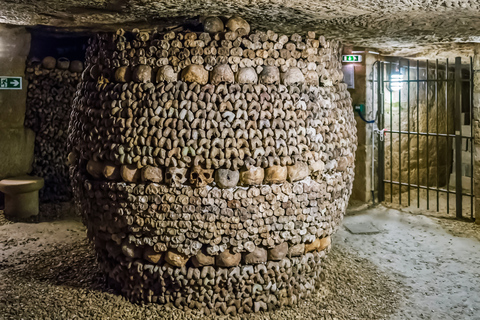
x=212, y=167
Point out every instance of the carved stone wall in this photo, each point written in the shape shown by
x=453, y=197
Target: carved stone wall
x=212, y=168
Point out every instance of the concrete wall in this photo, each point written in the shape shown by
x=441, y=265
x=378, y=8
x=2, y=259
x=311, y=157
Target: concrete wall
x=16, y=142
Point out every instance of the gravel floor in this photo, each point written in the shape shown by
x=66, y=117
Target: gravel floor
x=52, y=274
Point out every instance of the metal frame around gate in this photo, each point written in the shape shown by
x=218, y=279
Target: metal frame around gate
x=380, y=80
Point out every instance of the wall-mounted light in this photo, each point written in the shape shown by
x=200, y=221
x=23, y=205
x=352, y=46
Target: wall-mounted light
x=395, y=83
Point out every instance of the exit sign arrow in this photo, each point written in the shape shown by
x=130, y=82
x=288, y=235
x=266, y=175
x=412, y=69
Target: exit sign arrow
x=10, y=83
x=351, y=58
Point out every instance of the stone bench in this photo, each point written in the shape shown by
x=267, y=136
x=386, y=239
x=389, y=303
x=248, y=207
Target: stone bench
x=21, y=195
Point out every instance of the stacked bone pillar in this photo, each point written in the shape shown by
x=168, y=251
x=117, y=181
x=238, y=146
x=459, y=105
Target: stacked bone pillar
x=212, y=168
x=51, y=87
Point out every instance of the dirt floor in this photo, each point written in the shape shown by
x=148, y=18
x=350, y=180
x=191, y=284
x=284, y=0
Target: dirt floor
x=413, y=267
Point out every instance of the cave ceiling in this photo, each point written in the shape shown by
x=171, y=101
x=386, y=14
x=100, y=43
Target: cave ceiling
x=413, y=28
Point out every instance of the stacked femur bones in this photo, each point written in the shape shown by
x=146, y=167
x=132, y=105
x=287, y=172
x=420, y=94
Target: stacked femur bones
x=211, y=168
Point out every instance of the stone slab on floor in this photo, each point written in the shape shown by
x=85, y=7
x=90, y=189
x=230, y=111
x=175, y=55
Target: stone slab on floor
x=361, y=228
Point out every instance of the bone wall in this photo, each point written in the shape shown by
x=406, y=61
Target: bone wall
x=211, y=168
x=51, y=87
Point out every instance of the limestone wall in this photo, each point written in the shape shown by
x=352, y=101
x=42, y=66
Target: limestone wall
x=439, y=155
x=362, y=94
x=16, y=142
x=212, y=168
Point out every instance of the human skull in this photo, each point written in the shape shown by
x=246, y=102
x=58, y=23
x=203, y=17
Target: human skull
x=200, y=177
x=292, y=76
x=175, y=258
x=95, y=168
x=221, y=73
x=112, y=172
x=237, y=22
x=275, y=174
x=123, y=74
x=247, y=75
x=226, y=178
x=252, y=176
x=270, y=75
x=166, y=73
x=49, y=62
x=63, y=63
x=195, y=73
x=142, y=73
x=130, y=173
x=175, y=177
x=153, y=174
x=76, y=66
x=213, y=25
x=298, y=171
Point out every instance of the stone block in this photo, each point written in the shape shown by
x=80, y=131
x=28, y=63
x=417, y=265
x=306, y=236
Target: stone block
x=21, y=195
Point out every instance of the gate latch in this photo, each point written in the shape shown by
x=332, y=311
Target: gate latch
x=382, y=133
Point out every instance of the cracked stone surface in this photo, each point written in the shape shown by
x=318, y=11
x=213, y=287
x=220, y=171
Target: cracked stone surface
x=422, y=28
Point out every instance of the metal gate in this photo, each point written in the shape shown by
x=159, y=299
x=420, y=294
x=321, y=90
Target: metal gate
x=425, y=134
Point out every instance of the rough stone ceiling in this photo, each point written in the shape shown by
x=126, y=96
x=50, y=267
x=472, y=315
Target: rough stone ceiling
x=426, y=28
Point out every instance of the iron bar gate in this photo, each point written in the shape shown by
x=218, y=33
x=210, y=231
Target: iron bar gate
x=425, y=140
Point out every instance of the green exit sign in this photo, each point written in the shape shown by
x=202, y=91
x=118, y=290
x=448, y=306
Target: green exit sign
x=352, y=58
x=10, y=83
